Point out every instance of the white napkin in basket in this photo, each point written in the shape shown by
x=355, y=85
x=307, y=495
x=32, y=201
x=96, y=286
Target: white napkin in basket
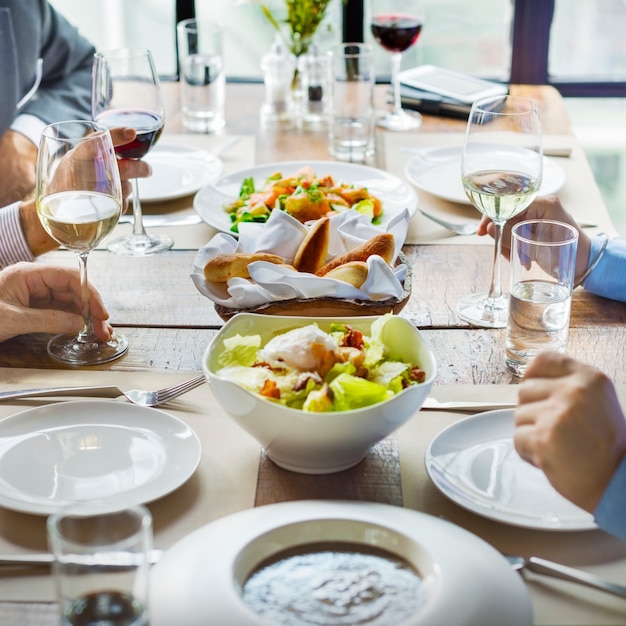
x=282, y=235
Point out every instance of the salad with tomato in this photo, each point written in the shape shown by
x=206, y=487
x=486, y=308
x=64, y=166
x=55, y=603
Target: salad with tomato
x=303, y=195
x=313, y=370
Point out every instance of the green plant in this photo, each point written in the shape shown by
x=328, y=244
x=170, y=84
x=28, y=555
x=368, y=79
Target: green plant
x=302, y=21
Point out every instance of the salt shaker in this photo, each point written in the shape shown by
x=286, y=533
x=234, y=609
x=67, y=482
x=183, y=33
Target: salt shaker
x=278, y=68
x=314, y=69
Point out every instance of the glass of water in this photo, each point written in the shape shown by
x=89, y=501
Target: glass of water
x=202, y=76
x=543, y=261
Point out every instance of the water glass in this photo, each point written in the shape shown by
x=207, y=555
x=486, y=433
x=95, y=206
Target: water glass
x=202, y=75
x=543, y=261
x=102, y=564
x=351, y=131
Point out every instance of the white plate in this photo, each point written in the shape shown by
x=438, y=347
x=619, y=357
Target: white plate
x=465, y=580
x=111, y=451
x=474, y=463
x=394, y=193
x=438, y=172
x=177, y=171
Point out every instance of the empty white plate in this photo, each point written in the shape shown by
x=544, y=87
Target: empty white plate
x=438, y=172
x=177, y=171
x=111, y=451
x=474, y=463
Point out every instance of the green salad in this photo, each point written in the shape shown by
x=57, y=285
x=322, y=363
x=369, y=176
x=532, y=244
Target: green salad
x=313, y=370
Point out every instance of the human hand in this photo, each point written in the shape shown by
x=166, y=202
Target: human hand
x=569, y=424
x=549, y=208
x=129, y=168
x=37, y=298
x=18, y=163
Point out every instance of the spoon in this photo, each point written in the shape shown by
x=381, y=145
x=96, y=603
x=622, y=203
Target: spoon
x=556, y=570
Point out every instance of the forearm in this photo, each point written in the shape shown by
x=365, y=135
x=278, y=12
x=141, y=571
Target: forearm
x=36, y=237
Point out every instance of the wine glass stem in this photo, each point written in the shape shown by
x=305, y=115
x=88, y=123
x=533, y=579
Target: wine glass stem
x=495, y=291
x=396, y=59
x=138, y=228
x=86, y=335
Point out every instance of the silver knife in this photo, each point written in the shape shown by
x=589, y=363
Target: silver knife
x=431, y=404
x=45, y=559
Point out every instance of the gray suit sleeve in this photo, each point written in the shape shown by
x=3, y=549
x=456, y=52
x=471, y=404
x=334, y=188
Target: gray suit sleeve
x=65, y=89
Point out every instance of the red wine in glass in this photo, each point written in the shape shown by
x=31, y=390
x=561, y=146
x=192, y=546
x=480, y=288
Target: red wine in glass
x=147, y=124
x=396, y=32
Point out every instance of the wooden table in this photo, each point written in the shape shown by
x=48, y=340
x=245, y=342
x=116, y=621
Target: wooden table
x=169, y=323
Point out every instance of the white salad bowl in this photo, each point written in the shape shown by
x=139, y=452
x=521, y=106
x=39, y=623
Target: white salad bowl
x=319, y=443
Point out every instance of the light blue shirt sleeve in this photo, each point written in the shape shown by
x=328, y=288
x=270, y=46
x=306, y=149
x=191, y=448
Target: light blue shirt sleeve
x=611, y=512
x=608, y=279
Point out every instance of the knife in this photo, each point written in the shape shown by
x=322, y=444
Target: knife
x=45, y=559
x=163, y=220
x=431, y=404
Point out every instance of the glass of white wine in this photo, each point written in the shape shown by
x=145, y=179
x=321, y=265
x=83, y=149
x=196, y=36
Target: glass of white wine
x=501, y=169
x=79, y=201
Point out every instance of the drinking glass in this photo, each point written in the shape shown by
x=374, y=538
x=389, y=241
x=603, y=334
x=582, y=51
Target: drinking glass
x=79, y=200
x=501, y=169
x=101, y=565
x=396, y=25
x=126, y=92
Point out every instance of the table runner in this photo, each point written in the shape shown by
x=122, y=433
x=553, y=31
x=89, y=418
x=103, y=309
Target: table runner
x=224, y=483
x=580, y=194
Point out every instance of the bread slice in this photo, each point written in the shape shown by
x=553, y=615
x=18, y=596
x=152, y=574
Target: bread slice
x=223, y=267
x=383, y=245
x=354, y=273
x=313, y=250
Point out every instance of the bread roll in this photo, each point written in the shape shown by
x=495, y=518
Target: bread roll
x=354, y=273
x=382, y=244
x=223, y=267
x=312, y=252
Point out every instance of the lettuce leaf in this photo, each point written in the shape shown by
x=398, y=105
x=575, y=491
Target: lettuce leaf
x=240, y=350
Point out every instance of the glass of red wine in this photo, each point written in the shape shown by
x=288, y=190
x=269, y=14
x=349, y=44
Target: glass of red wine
x=126, y=92
x=396, y=25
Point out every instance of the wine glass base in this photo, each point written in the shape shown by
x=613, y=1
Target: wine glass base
x=69, y=349
x=480, y=310
x=400, y=121
x=140, y=245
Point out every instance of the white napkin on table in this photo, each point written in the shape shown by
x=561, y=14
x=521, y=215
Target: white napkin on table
x=282, y=235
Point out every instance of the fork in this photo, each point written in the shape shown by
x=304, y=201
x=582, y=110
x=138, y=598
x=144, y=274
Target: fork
x=142, y=397
x=467, y=228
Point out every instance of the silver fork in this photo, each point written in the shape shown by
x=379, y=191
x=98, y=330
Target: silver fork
x=141, y=397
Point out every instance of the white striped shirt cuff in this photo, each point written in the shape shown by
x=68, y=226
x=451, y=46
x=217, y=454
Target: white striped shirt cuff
x=13, y=246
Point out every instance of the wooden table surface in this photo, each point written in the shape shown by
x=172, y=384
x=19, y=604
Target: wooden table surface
x=169, y=323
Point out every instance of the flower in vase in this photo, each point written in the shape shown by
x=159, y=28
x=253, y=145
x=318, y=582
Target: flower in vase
x=300, y=24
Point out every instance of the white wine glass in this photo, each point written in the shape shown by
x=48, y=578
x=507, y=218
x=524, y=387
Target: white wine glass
x=396, y=26
x=126, y=92
x=78, y=195
x=501, y=169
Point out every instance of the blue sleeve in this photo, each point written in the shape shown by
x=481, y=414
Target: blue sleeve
x=611, y=512
x=608, y=278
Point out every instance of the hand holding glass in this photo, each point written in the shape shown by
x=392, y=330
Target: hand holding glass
x=79, y=199
x=501, y=169
x=126, y=92
x=396, y=26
